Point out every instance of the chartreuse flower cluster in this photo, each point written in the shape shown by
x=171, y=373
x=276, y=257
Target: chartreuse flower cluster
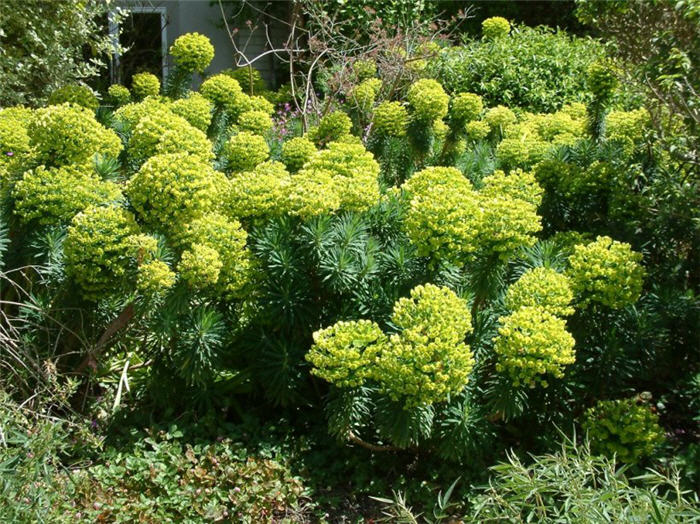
x=262, y=192
x=195, y=109
x=98, y=250
x=200, y=266
x=447, y=220
x=296, y=152
x=477, y=130
x=345, y=354
x=227, y=239
x=428, y=100
x=390, y=119
x=119, y=95
x=544, y=288
x=533, y=344
x=364, y=69
x=155, y=277
x=602, y=81
x=171, y=190
x=495, y=27
x=131, y=114
x=516, y=184
x=164, y=132
x=364, y=94
x=68, y=134
x=606, y=272
x=625, y=428
x=499, y=118
x=332, y=127
x=55, y=195
x=257, y=122
x=312, y=192
x=74, y=94
x=627, y=127
x=244, y=151
x=227, y=95
x=192, y=52
x=464, y=108
x=425, y=362
x=14, y=139
x=145, y=84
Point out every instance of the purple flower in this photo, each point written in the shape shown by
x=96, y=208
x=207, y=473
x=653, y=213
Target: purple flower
x=10, y=153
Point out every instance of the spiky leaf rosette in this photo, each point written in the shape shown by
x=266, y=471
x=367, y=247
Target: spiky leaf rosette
x=625, y=428
x=171, y=190
x=427, y=360
x=532, y=343
x=345, y=353
x=607, y=272
x=544, y=288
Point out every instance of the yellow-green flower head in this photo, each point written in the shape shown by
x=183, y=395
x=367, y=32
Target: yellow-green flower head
x=477, y=130
x=521, y=152
x=354, y=172
x=499, y=118
x=245, y=150
x=364, y=94
x=97, y=250
x=249, y=79
x=554, y=126
x=258, y=122
x=259, y=193
x=465, y=107
x=345, y=353
x=364, y=69
x=154, y=277
x=228, y=239
x=428, y=100
x=260, y=103
x=427, y=360
x=516, y=184
x=444, y=217
x=313, y=192
x=627, y=127
x=175, y=132
x=544, y=288
x=508, y=224
x=576, y=110
x=602, y=80
x=624, y=428
x=74, y=94
x=607, y=272
x=145, y=84
x=225, y=93
x=533, y=344
x=296, y=152
x=119, y=94
x=185, y=139
x=200, y=266
x=14, y=139
x=131, y=114
x=68, y=134
x=495, y=27
x=390, y=119
x=441, y=129
x=171, y=190
x=192, y=52
x=56, y=195
x=195, y=109
x=331, y=127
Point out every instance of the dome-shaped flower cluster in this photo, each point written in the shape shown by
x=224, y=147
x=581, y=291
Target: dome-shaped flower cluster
x=364, y=94
x=260, y=103
x=74, y=94
x=244, y=151
x=195, y=109
x=14, y=139
x=464, y=108
x=517, y=184
x=98, y=250
x=171, y=190
x=602, y=81
x=257, y=122
x=428, y=100
x=55, y=195
x=164, y=132
x=345, y=353
x=499, y=118
x=228, y=239
x=532, y=344
x=68, y=134
x=200, y=266
x=390, y=119
x=119, y=95
x=495, y=27
x=296, y=152
x=627, y=127
x=625, y=428
x=145, y=84
x=332, y=127
x=477, y=130
x=364, y=69
x=192, y=52
x=262, y=192
x=131, y=114
x=427, y=360
x=225, y=93
x=154, y=277
x=607, y=272
x=544, y=288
